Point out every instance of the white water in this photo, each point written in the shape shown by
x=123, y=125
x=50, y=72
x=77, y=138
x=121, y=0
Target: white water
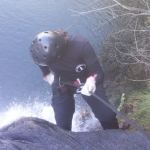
x=44, y=111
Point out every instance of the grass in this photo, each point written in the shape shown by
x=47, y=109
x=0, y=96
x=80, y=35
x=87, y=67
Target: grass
x=141, y=108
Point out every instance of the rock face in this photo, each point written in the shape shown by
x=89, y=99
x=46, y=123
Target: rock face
x=37, y=134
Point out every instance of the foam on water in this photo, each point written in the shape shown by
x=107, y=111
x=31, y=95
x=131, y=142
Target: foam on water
x=45, y=111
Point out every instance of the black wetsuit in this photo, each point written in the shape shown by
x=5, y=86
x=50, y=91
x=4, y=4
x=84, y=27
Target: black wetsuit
x=78, y=61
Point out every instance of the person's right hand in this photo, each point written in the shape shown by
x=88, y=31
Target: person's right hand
x=89, y=87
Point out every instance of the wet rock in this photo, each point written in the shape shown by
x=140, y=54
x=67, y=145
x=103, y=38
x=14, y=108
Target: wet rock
x=37, y=134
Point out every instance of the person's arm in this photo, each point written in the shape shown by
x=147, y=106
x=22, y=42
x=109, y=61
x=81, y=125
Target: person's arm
x=92, y=63
x=47, y=75
x=96, y=75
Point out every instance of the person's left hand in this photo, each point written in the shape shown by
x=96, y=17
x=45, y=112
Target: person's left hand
x=89, y=86
x=49, y=78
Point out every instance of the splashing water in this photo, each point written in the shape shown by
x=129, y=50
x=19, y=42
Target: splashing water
x=45, y=111
x=36, y=109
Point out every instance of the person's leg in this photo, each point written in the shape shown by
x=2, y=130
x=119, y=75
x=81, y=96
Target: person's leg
x=64, y=107
x=104, y=114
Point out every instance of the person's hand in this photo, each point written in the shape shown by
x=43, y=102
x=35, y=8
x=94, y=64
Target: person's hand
x=49, y=78
x=89, y=86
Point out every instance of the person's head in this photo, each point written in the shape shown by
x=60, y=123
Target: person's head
x=47, y=46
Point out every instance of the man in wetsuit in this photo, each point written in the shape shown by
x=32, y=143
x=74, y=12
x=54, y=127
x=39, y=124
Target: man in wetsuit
x=71, y=57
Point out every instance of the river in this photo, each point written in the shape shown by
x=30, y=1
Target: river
x=22, y=89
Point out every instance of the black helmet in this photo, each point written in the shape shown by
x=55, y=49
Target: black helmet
x=46, y=47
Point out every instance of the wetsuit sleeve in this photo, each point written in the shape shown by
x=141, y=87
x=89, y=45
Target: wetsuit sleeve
x=92, y=63
x=45, y=70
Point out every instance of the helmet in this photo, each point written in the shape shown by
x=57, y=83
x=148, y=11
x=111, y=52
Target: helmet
x=46, y=47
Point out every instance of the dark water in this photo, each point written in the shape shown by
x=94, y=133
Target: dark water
x=20, y=21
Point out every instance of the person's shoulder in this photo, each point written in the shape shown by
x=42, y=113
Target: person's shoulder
x=76, y=38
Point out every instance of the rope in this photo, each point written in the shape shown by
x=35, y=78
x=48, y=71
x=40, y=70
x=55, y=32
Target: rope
x=116, y=111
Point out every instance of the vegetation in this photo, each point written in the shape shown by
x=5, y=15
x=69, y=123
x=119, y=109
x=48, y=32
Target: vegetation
x=125, y=60
x=141, y=103
x=121, y=102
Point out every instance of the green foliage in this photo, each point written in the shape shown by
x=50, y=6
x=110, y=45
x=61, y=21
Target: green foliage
x=121, y=102
x=141, y=108
x=125, y=56
x=143, y=114
x=125, y=59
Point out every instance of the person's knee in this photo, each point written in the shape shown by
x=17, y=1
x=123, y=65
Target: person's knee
x=109, y=117
x=110, y=122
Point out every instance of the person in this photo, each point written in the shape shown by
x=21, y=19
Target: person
x=68, y=58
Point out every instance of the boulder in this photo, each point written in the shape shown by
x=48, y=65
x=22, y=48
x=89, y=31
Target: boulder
x=37, y=134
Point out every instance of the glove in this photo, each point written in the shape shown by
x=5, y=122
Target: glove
x=49, y=78
x=89, y=86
